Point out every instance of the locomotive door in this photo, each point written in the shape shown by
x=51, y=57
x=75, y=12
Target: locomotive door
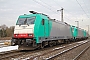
x=45, y=23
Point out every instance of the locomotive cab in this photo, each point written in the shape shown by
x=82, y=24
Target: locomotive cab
x=29, y=29
x=24, y=31
x=24, y=27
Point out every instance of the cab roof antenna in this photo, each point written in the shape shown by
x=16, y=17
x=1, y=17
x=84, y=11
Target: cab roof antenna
x=33, y=12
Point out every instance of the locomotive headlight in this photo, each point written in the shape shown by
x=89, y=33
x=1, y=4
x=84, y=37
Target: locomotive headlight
x=30, y=35
x=16, y=35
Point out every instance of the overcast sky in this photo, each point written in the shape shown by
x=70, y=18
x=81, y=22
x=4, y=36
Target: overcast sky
x=74, y=10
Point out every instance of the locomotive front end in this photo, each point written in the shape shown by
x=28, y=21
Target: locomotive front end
x=24, y=32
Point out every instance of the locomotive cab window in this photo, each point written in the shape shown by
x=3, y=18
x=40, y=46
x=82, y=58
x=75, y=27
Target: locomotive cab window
x=42, y=21
x=72, y=29
x=31, y=20
x=24, y=21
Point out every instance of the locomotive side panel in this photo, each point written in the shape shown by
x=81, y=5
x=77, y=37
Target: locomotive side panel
x=60, y=30
x=80, y=33
x=87, y=35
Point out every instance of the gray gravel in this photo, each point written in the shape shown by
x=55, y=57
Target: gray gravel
x=66, y=56
x=71, y=54
x=85, y=56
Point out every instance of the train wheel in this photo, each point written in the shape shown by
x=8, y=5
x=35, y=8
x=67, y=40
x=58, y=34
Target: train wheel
x=35, y=45
x=50, y=43
x=54, y=43
x=42, y=45
x=13, y=42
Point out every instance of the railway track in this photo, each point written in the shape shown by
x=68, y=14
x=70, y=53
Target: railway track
x=81, y=53
x=49, y=54
x=42, y=54
x=9, y=54
x=71, y=53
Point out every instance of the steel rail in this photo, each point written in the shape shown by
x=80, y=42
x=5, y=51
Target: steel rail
x=81, y=53
x=50, y=57
x=62, y=52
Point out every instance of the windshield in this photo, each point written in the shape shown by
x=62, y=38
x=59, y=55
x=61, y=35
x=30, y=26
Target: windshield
x=24, y=21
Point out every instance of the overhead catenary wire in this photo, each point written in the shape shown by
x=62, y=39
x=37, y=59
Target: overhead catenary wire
x=47, y=4
x=86, y=6
x=44, y=6
x=59, y=5
x=66, y=17
x=56, y=3
x=50, y=6
x=64, y=9
x=70, y=13
x=82, y=8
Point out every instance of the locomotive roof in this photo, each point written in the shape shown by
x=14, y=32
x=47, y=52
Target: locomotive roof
x=57, y=21
x=46, y=17
x=30, y=15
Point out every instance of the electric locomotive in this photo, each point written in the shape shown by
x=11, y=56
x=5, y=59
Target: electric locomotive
x=37, y=30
